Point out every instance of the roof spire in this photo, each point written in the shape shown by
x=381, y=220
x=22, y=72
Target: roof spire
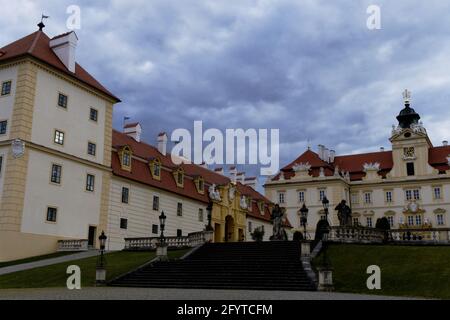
x=407, y=97
x=41, y=24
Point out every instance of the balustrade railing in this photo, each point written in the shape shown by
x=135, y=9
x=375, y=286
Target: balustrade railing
x=73, y=245
x=355, y=234
x=430, y=235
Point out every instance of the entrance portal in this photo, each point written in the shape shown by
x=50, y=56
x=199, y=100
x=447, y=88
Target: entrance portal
x=229, y=229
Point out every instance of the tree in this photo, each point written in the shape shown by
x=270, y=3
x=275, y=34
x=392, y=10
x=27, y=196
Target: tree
x=384, y=225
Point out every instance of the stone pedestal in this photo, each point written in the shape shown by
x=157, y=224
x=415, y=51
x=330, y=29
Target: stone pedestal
x=100, y=276
x=161, y=252
x=208, y=235
x=305, y=249
x=325, y=279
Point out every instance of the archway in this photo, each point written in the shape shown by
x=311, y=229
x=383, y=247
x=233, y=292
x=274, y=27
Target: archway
x=229, y=229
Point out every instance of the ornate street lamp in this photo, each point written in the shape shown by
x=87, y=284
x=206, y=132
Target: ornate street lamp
x=100, y=275
x=162, y=224
x=304, y=218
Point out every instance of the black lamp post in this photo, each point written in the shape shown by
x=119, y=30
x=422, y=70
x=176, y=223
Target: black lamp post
x=304, y=218
x=209, y=215
x=101, y=263
x=162, y=224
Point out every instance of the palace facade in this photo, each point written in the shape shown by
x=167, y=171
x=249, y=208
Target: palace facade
x=65, y=174
x=409, y=185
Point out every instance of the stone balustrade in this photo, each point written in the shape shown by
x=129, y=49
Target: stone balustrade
x=150, y=243
x=73, y=245
x=414, y=235
x=351, y=234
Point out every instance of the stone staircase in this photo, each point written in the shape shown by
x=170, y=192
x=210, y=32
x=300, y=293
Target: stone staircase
x=272, y=265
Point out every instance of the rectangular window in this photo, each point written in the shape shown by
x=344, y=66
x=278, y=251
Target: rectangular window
x=51, y=214
x=93, y=114
x=200, y=214
x=301, y=196
x=410, y=168
x=437, y=192
x=388, y=196
x=155, y=229
x=62, y=100
x=250, y=226
x=391, y=221
x=322, y=194
x=416, y=194
x=410, y=220
x=90, y=182
x=369, y=222
x=123, y=223
x=126, y=159
x=356, y=221
x=3, y=126
x=59, y=137
x=355, y=198
x=179, y=233
x=440, y=219
x=56, y=174
x=180, y=178
x=155, y=203
x=418, y=220
x=6, y=88
x=179, y=209
x=1, y=164
x=281, y=197
x=368, y=197
x=125, y=194
x=92, y=147
x=408, y=194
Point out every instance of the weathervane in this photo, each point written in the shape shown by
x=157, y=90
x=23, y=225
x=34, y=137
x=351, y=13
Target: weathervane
x=41, y=24
x=407, y=96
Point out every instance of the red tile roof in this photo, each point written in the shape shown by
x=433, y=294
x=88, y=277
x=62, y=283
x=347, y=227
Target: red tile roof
x=141, y=171
x=354, y=163
x=37, y=45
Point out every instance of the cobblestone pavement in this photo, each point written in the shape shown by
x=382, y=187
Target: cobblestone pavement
x=112, y=293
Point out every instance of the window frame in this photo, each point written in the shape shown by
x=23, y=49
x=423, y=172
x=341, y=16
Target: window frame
x=439, y=197
x=10, y=88
x=155, y=226
x=368, y=199
x=96, y=114
x=179, y=209
x=389, y=196
x=66, y=106
x=59, y=132
x=127, y=193
x=410, y=168
x=121, y=226
x=55, y=215
x=201, y=215
x=322, y=193
x=440, y=219
x=88, y=186
x=90, y=143
x=60, y=174
x=301, y=196
x=4, y=121
x=155, y=203
x=281, y=197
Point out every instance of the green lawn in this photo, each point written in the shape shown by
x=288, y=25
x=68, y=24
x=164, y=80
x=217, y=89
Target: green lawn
x=405, y=270
x=55, y=275
x=36, y=258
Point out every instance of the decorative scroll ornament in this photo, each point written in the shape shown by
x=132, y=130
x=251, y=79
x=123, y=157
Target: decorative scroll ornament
x=301, y=166
x=18, y=148
x=214, y=194
x=375, y=166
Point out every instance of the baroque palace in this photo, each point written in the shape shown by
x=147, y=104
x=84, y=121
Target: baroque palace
x=65, y=174
x=409, y=185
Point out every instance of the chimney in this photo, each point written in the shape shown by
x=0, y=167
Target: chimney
x=240, y=177
x=233, y=173
x=251, y=182
x=219, y=170
x=320, y=151
x=64, y=46
x=326, y=155
x=332, y=155
x=381, y=149
x=162, y=143
x=133, y=130
x=445, y=143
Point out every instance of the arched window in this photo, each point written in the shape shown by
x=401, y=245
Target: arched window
x=155, y=168
x=125, y=155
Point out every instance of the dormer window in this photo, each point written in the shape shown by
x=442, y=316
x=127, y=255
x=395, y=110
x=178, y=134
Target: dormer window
x=125, y=158
x=200, y=184
x=261, y=207
x=179, y=177
x=155, y=169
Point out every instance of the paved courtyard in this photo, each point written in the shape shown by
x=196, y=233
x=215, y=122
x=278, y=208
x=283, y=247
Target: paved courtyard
x=113, y=293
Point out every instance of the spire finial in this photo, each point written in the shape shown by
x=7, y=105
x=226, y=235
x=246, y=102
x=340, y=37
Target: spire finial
x=407, y=97
x=41, y=24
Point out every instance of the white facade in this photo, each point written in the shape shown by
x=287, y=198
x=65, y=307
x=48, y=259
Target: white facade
x=7, y=101
x=141, y=217
x=253, y=223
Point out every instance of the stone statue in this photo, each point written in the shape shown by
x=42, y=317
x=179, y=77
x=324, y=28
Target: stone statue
x=277, y=221
x=214, y=194
x=243, y=202
x=344, y=214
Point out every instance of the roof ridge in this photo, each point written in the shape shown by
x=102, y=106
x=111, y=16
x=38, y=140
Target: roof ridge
x=33, y=44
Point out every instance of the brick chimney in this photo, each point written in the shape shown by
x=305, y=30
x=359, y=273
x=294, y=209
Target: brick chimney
x=251, y=182
x=162, y=143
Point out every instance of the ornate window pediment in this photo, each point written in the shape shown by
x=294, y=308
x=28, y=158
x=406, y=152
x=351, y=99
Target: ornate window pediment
x=178, y=175
x=409, y=153
x=389, y=213
x=439, y=211
x=155, y=168
x=125, y=155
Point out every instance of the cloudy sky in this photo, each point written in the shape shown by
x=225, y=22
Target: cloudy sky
x=310, y=68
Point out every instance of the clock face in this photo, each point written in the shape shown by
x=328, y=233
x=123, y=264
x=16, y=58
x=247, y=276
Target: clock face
x=409, y=152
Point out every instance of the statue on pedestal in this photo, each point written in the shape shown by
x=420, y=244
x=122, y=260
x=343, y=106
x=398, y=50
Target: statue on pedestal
x=277, y=221
x=344, y=214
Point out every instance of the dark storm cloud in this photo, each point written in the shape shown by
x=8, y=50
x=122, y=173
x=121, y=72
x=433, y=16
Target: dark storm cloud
x=310, y=68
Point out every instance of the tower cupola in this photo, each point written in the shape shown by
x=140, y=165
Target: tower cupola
x=408, y=115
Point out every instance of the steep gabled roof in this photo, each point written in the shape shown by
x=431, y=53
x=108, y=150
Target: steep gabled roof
x=37, y=45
